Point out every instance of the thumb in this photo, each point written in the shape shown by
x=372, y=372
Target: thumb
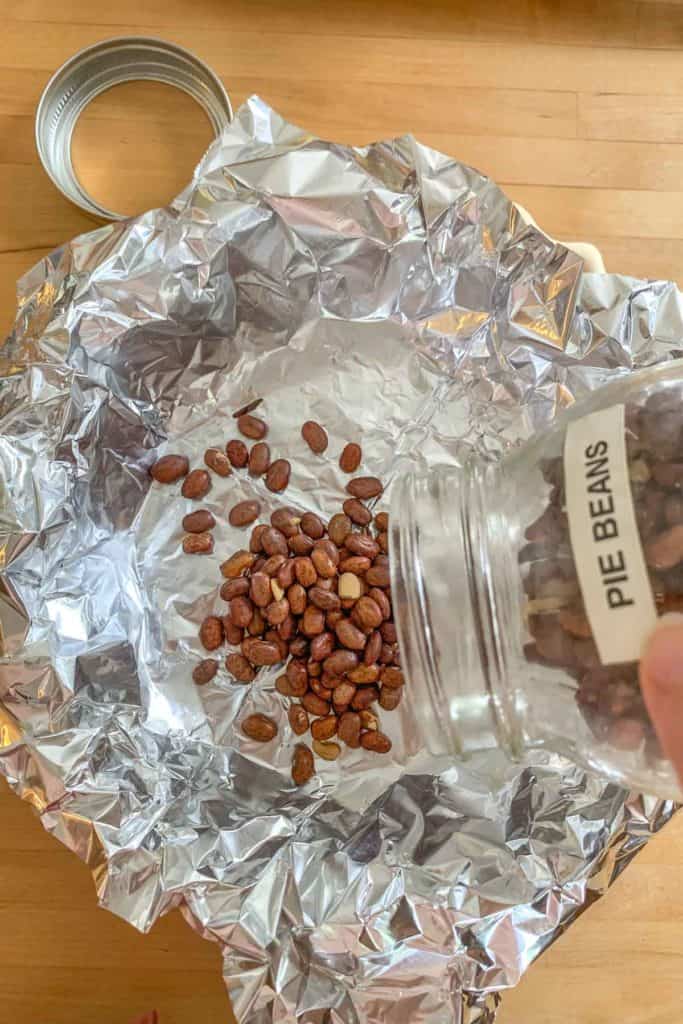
x=661, y=681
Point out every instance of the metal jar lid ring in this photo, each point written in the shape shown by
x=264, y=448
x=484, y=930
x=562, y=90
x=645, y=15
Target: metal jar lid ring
x=96, y=69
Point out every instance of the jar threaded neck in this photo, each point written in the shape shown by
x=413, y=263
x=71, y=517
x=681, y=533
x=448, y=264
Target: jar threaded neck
x=445, y=610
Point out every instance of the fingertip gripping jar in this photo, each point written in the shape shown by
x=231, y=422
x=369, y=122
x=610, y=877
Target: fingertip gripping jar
x=524, y=590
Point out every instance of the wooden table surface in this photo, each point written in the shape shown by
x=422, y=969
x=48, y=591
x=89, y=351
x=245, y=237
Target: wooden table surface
x=576, y=108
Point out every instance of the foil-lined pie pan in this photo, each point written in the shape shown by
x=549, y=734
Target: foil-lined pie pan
x=394, y=295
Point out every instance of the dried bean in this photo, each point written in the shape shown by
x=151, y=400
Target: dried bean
x=339, y=528
x=322, y=646
x=273, y=637
x=357, y=512
x=238, y=564
x=300, y=544
x=575, y=622
x=241, y=611
x=233, y=634
x=349, y=728
x=364, y=674
x=332, y=618
x=218, y=461
x=314, y=436
x=299, y=646
x=381, y=600
x=211, y=632
x=340, y=662
x=343, y=693
x=259, y=459
x=277, y=476
x=296, y=595
x=364, y=698
x=325, y=685
x=386, y=655
x=375, y=741
x=369, y=720
x=255, y=544
x=388, y=631
x=305, y=571
x=238, y=453
x=312, y=525
x=274, y=542
x=287, y=520
x=666, y=549
x=260, y=652
x=356, y=564
x=324, y=564
x=259, y=728
x=324, y=728
x=367, y=614
x=292, y=687
x=312, y=622
x=350, y=588
x=363, y=545
x=199, y=521
x=205, y=671
x=365, y=487
x=378, y=576
x=272, y=565
x=285, y=574
x=626, y=733
x=322, y=598
x=392, y=677
x=390, y=699
x=373, y=648
x=328, y=751
x=349, y=635
x=668, y=474
x=315, y=705
x=382, y=522
x=244, y=513
x=169, y=468
x=298, y=719
x=303, y=765
x=198, y=544
x=350, y=458
x=259, y=589
x=196, y=484
x=252, y=427
x=297, y=674
x=238, y=667
x=249, y=407
x=277, y=611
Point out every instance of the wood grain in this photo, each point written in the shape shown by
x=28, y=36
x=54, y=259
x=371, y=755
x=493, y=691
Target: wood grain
x=577, y=109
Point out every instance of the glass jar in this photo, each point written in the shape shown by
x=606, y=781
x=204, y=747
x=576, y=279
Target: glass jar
x=524, y=590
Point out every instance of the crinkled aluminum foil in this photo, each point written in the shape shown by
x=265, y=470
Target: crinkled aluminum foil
x=392, y=294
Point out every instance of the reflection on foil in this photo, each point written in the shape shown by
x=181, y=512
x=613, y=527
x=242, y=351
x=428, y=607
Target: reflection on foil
x=394, y=295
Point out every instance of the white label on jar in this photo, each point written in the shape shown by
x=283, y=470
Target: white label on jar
x=604, y=535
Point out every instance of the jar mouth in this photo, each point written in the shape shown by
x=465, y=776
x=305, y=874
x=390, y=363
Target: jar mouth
x=417, y=642
x=444, y=612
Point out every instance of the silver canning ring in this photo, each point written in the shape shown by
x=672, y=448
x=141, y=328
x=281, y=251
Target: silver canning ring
x=96, y=69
